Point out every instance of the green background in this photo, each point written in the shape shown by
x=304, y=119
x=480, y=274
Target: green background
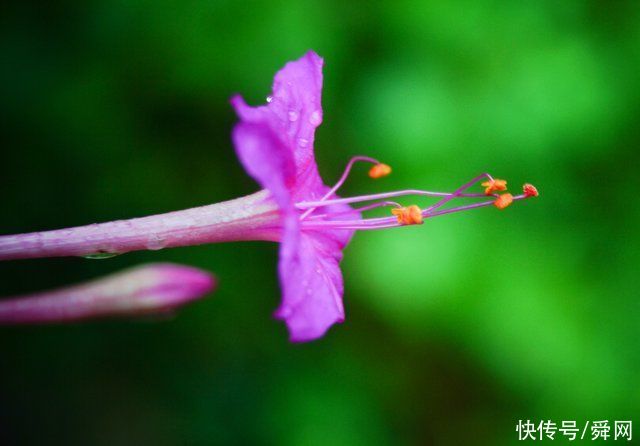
x=455, y=330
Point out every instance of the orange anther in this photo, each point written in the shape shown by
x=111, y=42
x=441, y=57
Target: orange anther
x=529, y=190
x=410, y=215
x=379, y=170
x=494, y=185
x=503, y=201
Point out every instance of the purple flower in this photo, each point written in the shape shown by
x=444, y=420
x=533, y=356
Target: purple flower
x=151, y=289
x=275, y=143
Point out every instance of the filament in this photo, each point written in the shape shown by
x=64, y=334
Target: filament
x=342, y=179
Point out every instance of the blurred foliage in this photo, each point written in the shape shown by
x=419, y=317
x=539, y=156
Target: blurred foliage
x=455, y=330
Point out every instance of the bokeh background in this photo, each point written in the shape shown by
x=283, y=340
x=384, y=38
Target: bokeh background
x=455, y=330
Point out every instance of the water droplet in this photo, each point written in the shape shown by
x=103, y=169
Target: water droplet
x=302, y=142
x=285, y=312
x=269, y=99
x=100, y=255
x=293, y=115
x=315, y=118
x=318, y=270
x=309, y=291
x=156, y=242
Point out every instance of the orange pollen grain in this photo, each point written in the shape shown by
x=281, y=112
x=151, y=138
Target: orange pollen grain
x=503, y=201
x=494, y=185
x=379, y=170
x=529, y=190
x=410, y=215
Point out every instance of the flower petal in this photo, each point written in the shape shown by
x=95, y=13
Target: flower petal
x=266, y=160
x=275, y=144
x=311, y=284
x=291, y=115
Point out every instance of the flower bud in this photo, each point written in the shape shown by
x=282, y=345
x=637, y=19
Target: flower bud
x=156, y=288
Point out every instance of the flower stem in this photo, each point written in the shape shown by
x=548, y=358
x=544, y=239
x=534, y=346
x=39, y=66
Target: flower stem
x=254, y=217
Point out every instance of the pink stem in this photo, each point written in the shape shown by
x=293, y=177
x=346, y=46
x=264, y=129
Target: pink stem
x=149, y=289
x=342, y=179
x=254, y=217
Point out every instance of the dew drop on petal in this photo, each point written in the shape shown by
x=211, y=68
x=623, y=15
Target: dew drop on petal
x=302, y=142
x=269, y=99
x=293, y=115
x=315, y=118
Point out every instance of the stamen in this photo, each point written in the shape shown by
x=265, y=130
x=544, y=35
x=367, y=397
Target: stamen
x=458, y=191
x=469, y=206
x=382, y=196
x=379, y=170
x=529, y=190
x=410, y=215
x=492, y=186
x=360, y=209
x=342, y=179
x=503, y=201
x=392, y=222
